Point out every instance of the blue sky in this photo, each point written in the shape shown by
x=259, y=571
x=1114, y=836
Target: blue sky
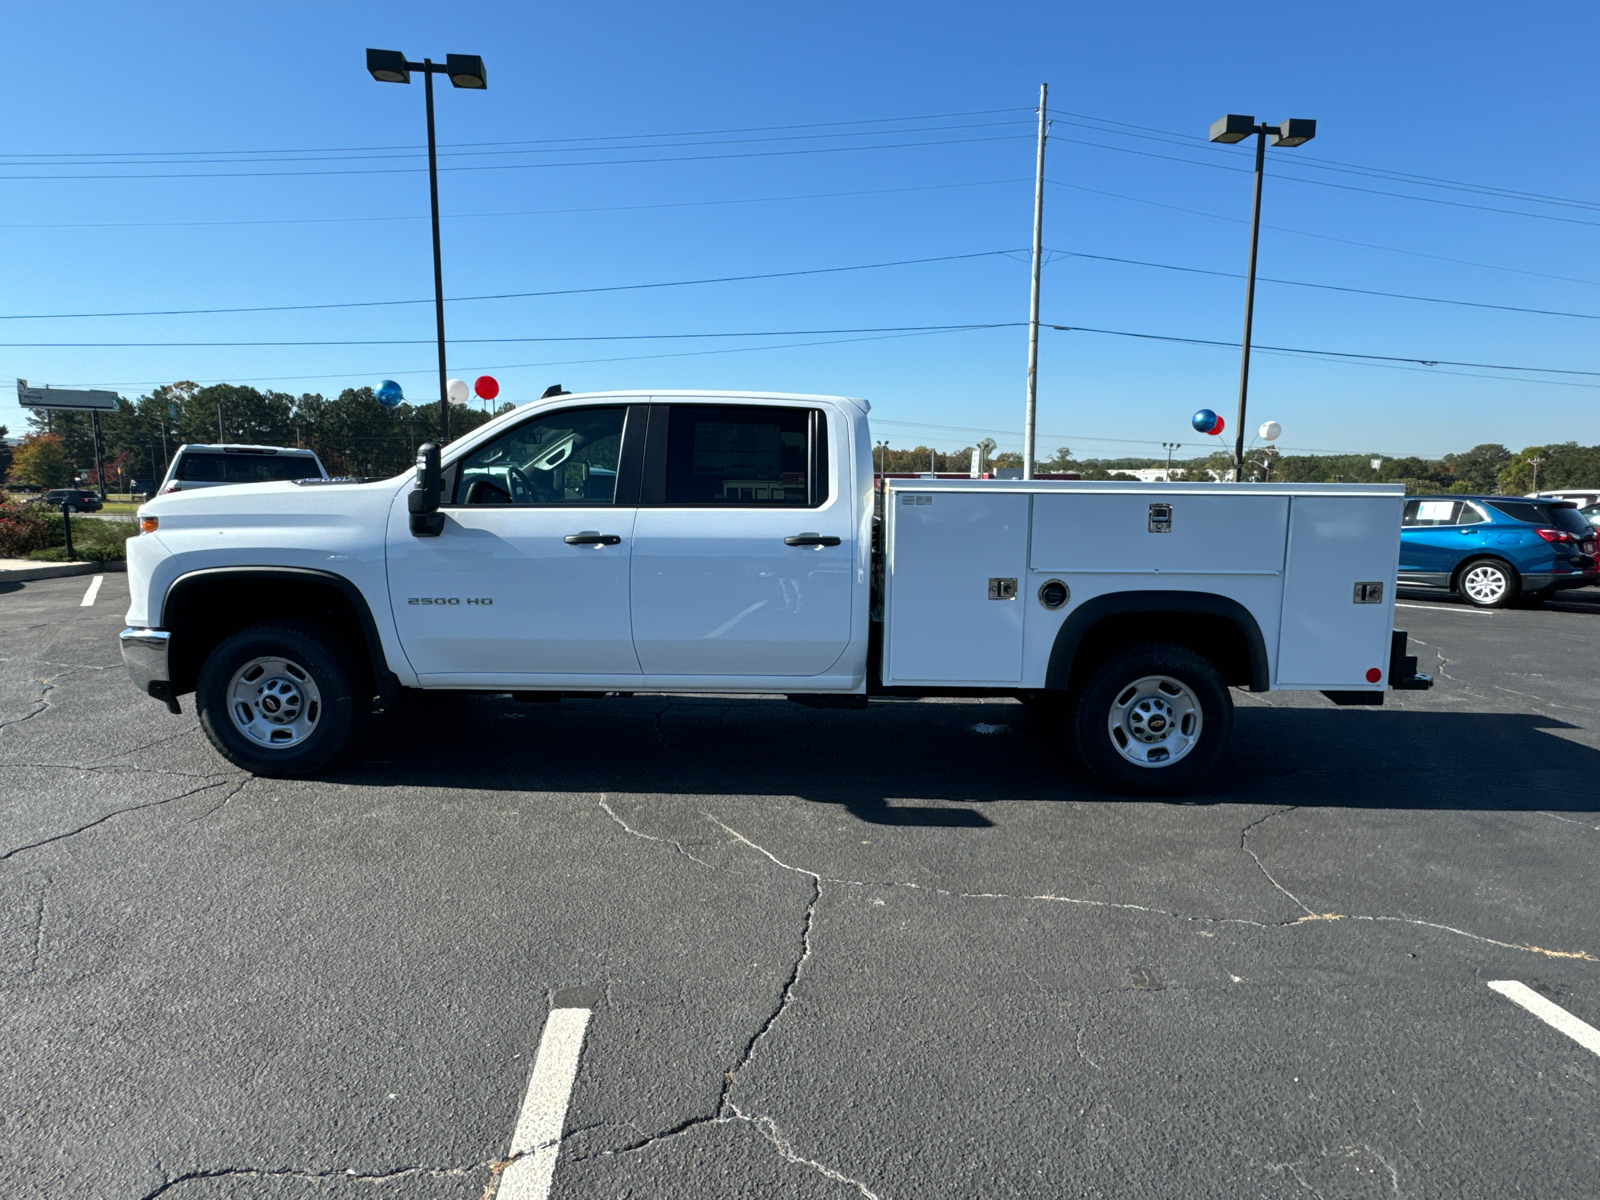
x=934, y=103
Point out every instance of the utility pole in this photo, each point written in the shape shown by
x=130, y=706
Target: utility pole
x=1033, y=305
x=933, y=462
x=1536, y=462
x=221, y=437
x=100, y=470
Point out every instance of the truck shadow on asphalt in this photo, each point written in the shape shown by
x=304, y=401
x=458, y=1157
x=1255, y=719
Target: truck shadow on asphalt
x=929, y=764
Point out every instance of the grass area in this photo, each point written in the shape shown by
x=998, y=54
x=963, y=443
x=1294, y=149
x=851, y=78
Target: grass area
x=120, y=506
x=99, y=540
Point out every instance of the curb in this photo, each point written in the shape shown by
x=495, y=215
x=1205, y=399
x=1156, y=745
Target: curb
x=58, y=570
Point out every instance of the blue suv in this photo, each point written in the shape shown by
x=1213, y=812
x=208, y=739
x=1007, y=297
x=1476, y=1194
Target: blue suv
x=1492, y=549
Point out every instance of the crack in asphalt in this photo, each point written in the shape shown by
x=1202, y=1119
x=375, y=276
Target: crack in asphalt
x=312, y=1176
x=132, y=808
x=38, y=927
x=726, y=1110
x=1244, y=835
x=649, y=837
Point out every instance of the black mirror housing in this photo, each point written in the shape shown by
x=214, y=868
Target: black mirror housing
x=423, y=502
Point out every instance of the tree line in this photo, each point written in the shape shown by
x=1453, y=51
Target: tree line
x=1485, y=469
x=354, y=434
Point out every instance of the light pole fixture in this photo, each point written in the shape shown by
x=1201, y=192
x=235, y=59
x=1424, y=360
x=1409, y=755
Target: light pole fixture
x=1169, y=447
x=1234, y=128
x=465, y=71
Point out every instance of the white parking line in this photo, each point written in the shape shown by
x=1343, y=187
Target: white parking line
x=1442, y=608
x=1585, y=1034
x=94, y=590
x=537, y=1139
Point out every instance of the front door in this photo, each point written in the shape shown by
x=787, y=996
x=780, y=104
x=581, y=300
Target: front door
x=530, y=577
x=744, y=547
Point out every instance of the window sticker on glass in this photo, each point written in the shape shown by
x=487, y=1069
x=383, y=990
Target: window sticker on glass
x=1436, y=510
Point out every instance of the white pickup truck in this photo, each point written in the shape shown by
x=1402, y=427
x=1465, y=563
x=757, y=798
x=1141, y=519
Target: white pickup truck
x=625, y=543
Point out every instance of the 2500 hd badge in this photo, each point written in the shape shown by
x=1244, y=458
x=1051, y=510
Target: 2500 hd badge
x=449, y=600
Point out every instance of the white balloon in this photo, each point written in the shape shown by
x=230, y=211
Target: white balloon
x=1270, y=430
x=457, y=390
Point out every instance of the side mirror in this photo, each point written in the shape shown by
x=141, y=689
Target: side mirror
x=423, y=503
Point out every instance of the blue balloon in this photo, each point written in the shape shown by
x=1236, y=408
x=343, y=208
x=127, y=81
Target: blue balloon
x=389, y=393
x=1204, y=421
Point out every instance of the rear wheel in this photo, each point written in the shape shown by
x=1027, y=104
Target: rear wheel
x=1488, y=583
x=278, y=699
x=1153, y=720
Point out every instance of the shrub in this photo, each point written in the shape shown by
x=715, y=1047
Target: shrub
x=23, y=528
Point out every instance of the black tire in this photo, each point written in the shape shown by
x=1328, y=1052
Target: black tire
x=72, y=508
x=1476, y=583
x=1199, y=691
x=336, y=720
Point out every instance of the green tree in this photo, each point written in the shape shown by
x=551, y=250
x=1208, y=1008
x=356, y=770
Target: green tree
x=5, y=453
x=1479, y=467
x=41, y=460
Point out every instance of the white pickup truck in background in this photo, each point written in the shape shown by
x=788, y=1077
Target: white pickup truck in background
x=733, y=543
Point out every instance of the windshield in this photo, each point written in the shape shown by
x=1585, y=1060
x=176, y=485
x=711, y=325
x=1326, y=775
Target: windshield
x=213, y=467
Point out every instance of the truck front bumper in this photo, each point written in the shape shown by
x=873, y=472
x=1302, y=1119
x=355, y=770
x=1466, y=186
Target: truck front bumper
x=144, y=653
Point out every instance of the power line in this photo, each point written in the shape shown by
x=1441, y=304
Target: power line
x=1426, y=362
x=981, y=112
x=1334, y=287
x=606, y=162
x=587, y=149
x=532, y=212
x=608, y=337
x=790, y=275
x=1172, y=137
x=1328, y=183
x=1195, y=212
x=625, y=287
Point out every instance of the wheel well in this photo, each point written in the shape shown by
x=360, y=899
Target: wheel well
x=1455, y=578
x=201, y=612
x=1215, y=638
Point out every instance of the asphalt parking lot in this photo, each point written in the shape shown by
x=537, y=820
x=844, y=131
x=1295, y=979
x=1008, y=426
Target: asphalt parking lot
x=909, y=952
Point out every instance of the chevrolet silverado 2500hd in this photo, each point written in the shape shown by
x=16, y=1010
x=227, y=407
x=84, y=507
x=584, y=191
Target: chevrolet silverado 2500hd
x=734, y=543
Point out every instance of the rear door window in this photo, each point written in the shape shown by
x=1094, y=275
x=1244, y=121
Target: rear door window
x=1543, y=512
x=745, y=455
x=1431, y=512
x=210, y=467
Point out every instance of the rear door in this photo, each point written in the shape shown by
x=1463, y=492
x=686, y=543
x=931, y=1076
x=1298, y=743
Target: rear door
x=744, y=545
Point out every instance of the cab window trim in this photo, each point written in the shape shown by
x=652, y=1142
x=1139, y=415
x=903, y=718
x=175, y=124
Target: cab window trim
x=629, y=455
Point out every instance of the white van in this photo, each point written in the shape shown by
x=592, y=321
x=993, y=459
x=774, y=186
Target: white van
x=197, y=466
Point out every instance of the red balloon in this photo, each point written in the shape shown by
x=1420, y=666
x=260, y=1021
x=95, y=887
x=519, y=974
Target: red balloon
x=1218, y=427
x=487, y=387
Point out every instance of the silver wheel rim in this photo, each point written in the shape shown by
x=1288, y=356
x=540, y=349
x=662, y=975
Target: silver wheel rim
x=1155, y=721
x=1485, y=584
x=274, y=702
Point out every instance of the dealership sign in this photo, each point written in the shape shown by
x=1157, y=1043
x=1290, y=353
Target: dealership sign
x=49, y=397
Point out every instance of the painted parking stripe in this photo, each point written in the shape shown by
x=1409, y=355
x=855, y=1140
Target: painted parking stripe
x=1476, y=612
x=94, y=590
x=537, y=1139
x=1585, y=1034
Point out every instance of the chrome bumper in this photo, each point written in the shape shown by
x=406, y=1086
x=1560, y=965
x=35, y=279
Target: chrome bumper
x=144, y=653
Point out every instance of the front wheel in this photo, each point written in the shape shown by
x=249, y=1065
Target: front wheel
x=1153, y=720
x=278, y=699
x=1488, y=583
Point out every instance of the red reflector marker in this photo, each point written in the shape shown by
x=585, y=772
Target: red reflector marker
x=1373, y=674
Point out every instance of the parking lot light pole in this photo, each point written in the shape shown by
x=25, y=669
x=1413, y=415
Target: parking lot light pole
x=465, y=71
x=1234, y=128
x=1169, y=447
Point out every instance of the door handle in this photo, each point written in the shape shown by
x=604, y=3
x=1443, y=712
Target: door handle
x=591, y=537
x=811, y=539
